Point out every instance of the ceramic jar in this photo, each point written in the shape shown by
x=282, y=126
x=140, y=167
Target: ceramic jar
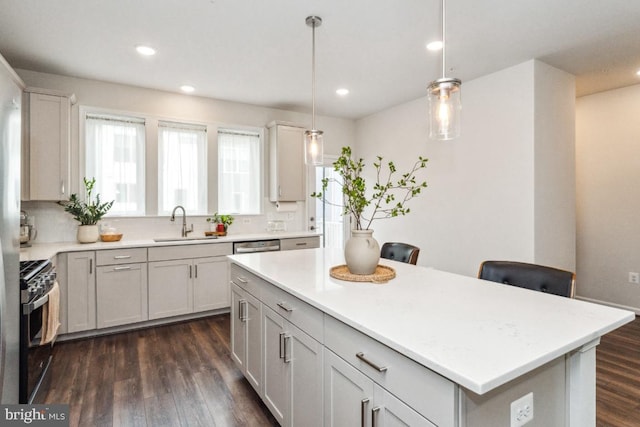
x=88, y=233
x=362, y=252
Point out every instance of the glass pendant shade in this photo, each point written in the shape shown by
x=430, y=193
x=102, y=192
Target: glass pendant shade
x=313, y=147
x=444, y=108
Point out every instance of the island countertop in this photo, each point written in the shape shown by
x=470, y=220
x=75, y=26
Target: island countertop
x=476, y=333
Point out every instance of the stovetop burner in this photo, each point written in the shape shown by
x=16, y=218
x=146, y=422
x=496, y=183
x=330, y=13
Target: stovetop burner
x=36, y=278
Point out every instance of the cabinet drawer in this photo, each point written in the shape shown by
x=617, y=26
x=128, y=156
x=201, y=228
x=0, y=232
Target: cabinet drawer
x=299, y=243
x=121, y=256
x=427, y=392
x=166, y=253
x=298, y=312
x=246, y=280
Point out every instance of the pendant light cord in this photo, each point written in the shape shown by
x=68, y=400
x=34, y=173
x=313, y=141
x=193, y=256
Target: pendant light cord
x=443, y=41
x=313, y=75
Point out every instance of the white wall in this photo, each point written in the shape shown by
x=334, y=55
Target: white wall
x=608, y=195
x=55, y=225
x=480, y=203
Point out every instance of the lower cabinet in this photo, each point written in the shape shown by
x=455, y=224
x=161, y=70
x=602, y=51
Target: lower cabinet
x=293, y=372
x=121, y=294
x=81, y=291
x=353, y=399
x=246, y=329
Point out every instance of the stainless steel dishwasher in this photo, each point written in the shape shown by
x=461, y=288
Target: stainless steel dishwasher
x=256, y=246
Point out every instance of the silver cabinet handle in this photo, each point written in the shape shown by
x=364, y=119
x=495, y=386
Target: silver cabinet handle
x=363, y=411
x=190, y=271
x=301, y=244
x=242, y=280
x=196, y=267
x=279, y=190
x=374, y=416
x=287, y=354
x=122, y=268
x=281, y=345
x=285, y=307
x=90, y=265
x=62, y=187
x=370, y=363
x=122, y=257
x=242, y=312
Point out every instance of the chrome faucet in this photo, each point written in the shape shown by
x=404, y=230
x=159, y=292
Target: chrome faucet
x=185, y=231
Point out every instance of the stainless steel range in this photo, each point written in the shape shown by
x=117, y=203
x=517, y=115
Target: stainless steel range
x=37, y=280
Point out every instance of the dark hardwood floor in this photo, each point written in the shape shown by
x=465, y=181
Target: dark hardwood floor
x=182, y=375
x=175, y=375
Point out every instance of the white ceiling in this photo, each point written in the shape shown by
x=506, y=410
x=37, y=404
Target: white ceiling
x=259, y=51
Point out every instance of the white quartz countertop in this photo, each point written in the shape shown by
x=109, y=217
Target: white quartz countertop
x=48, y=250
x=476, y=333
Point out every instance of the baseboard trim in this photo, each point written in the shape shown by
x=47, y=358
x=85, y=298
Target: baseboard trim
x=636, y=310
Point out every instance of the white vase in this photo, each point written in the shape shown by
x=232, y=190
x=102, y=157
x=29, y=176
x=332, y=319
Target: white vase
x=362, y=252
x=88, y=233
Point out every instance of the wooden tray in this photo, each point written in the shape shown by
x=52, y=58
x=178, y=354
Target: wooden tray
x=382, y=274
x=111, y=237
x=215, y=233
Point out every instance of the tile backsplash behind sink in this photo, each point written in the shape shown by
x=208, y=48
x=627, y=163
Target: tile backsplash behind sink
x=56, y=225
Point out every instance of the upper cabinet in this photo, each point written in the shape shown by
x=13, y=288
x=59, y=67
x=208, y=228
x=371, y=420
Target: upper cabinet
x=46, y=145
x=287, y=173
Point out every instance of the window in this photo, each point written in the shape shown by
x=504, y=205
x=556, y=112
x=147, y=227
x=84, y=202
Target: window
x=182, y=167
x=115, y=157
x=239, y=172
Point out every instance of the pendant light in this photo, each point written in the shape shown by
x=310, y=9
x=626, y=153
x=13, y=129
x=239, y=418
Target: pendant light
x=444, y=100
x=313, y=140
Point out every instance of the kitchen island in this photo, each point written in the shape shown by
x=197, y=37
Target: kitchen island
x=468, y=347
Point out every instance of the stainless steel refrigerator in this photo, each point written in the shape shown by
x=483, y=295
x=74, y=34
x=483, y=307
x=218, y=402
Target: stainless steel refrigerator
x=10, y=139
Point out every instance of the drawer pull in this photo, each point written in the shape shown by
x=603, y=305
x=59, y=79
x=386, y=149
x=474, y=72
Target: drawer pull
x=122, y=257
x=363, y=411
x=285, y=307
x=370, y=363
x=242, y=280
x=122, y=268
x=242, y=309
x=301, y=244
x=374, y=416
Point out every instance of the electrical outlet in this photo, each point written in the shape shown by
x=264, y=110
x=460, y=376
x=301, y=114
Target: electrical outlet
x=246, y=220
x=634, y=277
x=522, y=410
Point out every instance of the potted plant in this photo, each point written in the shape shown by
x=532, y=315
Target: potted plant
x=222, y=222
x=88, y=212
x=388, y=200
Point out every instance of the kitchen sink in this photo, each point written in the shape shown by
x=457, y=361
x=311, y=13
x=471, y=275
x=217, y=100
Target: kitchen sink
x=182, y=239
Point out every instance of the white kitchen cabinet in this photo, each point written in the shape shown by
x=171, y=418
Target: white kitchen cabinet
x=246, y=329
x=293, y=372
x=352, y=398
x=287, y=173
x=46, y=145
x=170, y=288
x=185, y=280
x=121, y=294
x=300, y=243
x=210, y=287
x=81, y=291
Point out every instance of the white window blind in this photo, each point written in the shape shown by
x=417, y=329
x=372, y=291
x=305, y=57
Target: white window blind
x=182, y=167
x=115, y=157
x=239, y=172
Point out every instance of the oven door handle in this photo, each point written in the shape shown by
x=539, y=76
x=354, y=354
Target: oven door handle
x=28, y=308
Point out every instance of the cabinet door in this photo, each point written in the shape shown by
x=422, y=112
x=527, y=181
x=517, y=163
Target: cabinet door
x=81, y=291
x=288, y=172
x=305, y=387
x=48, y=146
x=254, y=342
x=348, y=393
x=389, y=411
x=238, y=327
x=121, y=294
x=210, y=283
x=170, y=288
x=276, y=364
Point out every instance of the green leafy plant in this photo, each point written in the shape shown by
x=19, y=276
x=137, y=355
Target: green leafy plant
x=389, y=197
x=225, y=220
x=87, y=212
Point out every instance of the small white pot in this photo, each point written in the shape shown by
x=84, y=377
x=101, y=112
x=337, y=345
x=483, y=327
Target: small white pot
x=362, y=252
x=88, y=233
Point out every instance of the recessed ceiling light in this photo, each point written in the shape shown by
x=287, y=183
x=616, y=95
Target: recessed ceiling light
x=187, y=88
x=145, y=50
x=638, y=73
x=342, y=91
x=434, y=46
